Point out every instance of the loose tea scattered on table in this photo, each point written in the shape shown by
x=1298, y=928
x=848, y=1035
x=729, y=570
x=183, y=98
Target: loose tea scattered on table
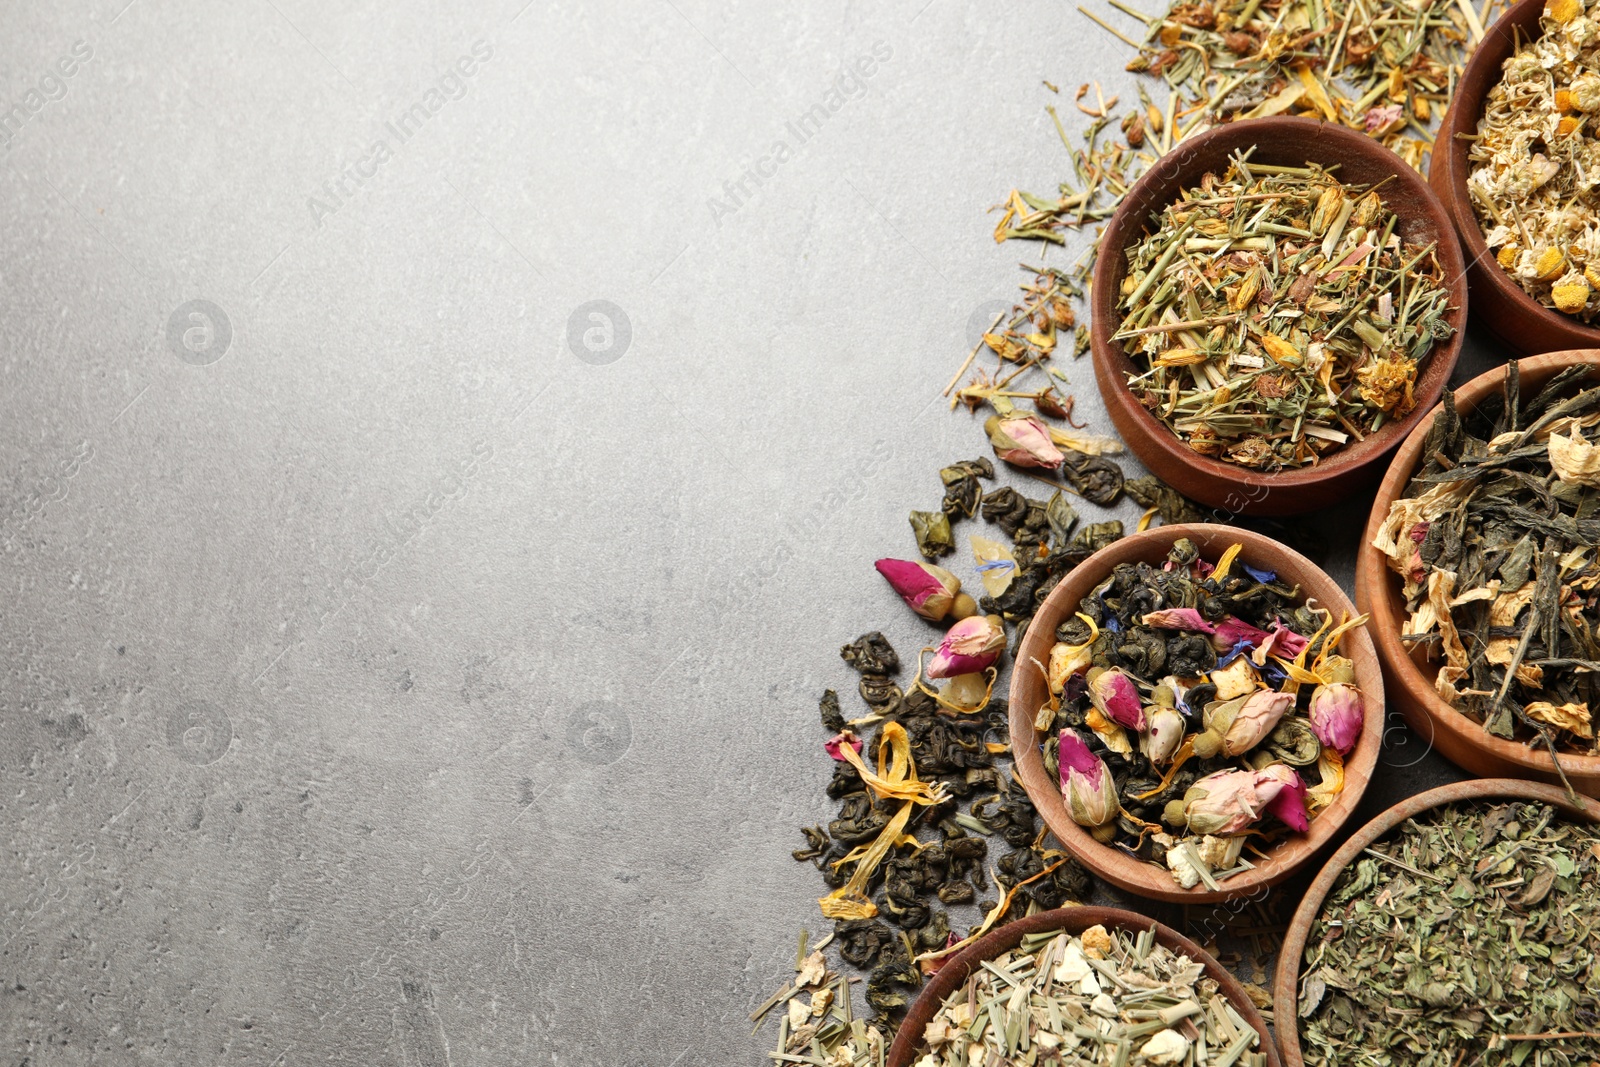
x=1275, y=314
x=1495, y=539
x=1473, y=927
x=1100, y=997
x=1533, y=162
x=1199, y=712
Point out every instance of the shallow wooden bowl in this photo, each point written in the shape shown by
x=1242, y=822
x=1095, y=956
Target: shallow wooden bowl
x=1288, y=141
x=1410, y=676
x=1286, y=980
x=1028, y=692
x=1075, y=921
x=1498, y=302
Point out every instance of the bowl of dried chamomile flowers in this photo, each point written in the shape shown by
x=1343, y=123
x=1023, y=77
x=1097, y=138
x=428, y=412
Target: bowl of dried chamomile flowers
x=1277, y=301
x=1515, y=162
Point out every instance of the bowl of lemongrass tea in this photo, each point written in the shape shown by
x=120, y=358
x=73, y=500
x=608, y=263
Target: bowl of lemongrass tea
x=1513, y=164
x=1083, y=985
x=1480, y=572
x=1195, y=711
x=1463, y=919
x=1276, y=303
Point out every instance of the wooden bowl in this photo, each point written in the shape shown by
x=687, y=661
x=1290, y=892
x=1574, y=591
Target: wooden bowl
x=1292, y=141
x=1075, y=921
x=1498, y=302
x=1410, y=676
x=1028, y=692
x=1286, y=980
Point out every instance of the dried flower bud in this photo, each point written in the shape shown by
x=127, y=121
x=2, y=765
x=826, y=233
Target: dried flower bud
x=930, y=591
x=1585, y=92
x=1115, y=696
x=1337, y=712
x=1165, y=735
x=970, y=647
x=1230, y=801
x=1086, y=784
x=1024, y=441
x=1234, y=727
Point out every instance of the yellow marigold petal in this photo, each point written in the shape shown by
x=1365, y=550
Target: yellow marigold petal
x=1281, y=350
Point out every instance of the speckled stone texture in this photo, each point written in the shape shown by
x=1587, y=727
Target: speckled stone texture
x=444, y=447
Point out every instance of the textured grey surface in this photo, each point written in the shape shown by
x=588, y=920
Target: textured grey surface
x=400, y=665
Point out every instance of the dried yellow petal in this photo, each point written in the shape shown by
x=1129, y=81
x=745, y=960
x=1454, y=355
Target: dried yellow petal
x=1181, y=357
x=1591, y=277
x=1563, y=11
x=1573, y=717
x=1570, y=297
x=1281, y=351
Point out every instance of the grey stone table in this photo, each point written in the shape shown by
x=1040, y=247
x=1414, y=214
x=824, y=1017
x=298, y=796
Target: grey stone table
x=445, y=445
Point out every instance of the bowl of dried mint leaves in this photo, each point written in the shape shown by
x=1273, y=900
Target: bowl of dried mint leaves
x=1276, y=303
x=1462, y=919
x=1083, y=985
x=1479, y=570
x=1195, y=711
x=1513, y=165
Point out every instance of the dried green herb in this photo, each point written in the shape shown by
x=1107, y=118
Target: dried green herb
x=1495, y=540
x=1098, y=997
x=1473, y=928
x=1274, y=314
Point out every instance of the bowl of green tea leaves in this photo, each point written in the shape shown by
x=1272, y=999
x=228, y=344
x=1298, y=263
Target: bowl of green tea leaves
x=1481, y=571
x=1277, y=304
x=1460, y=926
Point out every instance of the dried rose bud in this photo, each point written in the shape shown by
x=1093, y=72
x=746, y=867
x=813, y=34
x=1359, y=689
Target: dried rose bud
x=1165, y=734
x=929, y=591
x=1230, y=801
x=1024, y=441
x=1254, y=720
x=1289, y=802
x=970, y=647
x=1338, y=711
x=1085, y=782
x=1115, y=696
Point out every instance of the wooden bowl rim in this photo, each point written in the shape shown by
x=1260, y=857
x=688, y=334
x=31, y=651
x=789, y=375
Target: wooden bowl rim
x=1286, y=978
x=1378, y=593
x=1319, y=140
x=1074, y=920
x=1135, y=875
x=1478, y=77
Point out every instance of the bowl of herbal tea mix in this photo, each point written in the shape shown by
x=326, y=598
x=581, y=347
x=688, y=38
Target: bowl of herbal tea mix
x=1479, y=570
x=1276, y=303
x=1512, y=164
x=1194, y=711
x=1465, y=919
x=1083, y=985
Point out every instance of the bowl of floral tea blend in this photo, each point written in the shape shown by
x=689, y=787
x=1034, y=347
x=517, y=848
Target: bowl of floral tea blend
x=1083, y=985
x=1194, y=711
x=1481, y=571
x=1276, y=306
x=1460, y=926
x=1510, y=164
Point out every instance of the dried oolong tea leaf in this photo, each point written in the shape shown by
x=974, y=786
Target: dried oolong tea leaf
x=1533, y=161
x=1471, y=927
x=1199, y=712
x=1275, y=314
x=1105, y=996
x=1495, y=541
